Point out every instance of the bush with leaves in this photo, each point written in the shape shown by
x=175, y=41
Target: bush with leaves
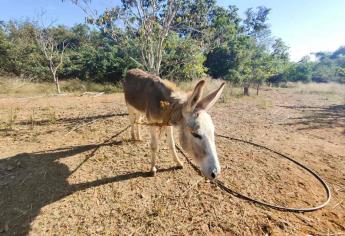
x=182, y=59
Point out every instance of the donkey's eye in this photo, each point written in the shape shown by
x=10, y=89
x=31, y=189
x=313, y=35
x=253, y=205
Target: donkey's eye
x=195, y=135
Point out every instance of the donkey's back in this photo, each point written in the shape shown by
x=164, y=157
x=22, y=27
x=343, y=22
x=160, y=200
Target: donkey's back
x=144, y=92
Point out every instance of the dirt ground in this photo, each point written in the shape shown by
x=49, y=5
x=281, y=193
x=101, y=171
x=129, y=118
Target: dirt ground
x=63, y=173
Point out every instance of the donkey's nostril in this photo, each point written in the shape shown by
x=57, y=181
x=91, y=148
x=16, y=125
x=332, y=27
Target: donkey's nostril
x=213, y=175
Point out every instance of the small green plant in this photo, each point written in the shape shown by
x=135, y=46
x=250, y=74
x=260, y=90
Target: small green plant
x=32, y=119
x=12, y=118
x=51, y=116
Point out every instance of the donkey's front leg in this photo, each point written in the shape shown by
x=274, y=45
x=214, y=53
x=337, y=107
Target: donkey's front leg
x=154, y=149
x=171, y=142
x=132, y=119
x=138, y=132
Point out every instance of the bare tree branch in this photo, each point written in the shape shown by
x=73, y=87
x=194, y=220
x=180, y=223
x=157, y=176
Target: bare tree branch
x=50, y=48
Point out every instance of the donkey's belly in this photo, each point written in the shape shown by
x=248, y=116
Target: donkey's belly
x=150, y=109
x=139, y=105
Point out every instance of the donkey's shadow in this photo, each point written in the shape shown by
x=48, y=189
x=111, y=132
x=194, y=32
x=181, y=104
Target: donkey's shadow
x=30, y=181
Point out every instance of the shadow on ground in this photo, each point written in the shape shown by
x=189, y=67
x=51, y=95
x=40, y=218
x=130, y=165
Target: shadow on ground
x=319, y=117
x=30, y=181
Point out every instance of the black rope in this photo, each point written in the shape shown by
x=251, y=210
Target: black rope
x=222, y=186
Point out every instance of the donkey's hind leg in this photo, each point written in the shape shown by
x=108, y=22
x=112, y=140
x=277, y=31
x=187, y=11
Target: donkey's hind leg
x=171, y=142
x=132, y=118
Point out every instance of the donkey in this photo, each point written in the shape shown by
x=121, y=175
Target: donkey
x=166, y=106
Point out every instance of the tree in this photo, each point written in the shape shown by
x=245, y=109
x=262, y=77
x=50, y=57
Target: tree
x=182, y=59
x=262, y=67
x=301, y=71
x=147, y=25
x=206, y=23
x=256, y=25
x=226, y=49
x=257, y=28
x=53, y=51
x=4, y=50
x=279, y=60
x=21, y=55
x=225, y=25
x=340, y=75
x=193, y=20
x=219, y=61
x=280, y=51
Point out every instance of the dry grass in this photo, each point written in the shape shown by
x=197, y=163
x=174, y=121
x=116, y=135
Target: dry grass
x=16, y=87
x=212, y=84
x=58, y=176
x=56, y=179
x=330, y=90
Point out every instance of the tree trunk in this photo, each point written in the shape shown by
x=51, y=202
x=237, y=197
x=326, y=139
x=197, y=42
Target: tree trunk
x=257, y=89
x=57, y=86
x=246, y=90
x=56, y=80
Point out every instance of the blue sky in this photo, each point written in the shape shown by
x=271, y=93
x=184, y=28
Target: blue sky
x=305, y=25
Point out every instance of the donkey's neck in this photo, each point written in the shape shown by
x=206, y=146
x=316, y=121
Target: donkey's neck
x=176, y=101
x=171, y=101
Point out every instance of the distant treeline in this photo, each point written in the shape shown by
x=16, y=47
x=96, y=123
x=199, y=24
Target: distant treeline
x=326, y=67
x=203, y=39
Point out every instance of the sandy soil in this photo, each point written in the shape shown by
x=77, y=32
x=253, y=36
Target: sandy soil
x=59, y=176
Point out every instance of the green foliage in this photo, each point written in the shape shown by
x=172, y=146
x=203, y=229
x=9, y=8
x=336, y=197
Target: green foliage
x=246, y=53
x=340, y=75
x=202, y=38
x=225, y=55
x=329, y=66
x=182, y=59
x=90, y=55
x=21, y=55
x=301, y=71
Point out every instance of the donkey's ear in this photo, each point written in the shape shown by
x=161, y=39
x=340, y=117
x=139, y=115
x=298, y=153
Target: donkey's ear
x=196, y=95
x=208, y=101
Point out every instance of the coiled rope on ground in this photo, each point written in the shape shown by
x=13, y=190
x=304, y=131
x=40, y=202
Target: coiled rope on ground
x=222, y=186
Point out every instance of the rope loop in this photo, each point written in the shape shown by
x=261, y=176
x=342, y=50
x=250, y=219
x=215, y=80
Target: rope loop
x=222, y=186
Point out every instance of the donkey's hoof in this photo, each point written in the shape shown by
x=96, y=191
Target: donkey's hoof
x=153, y=171
x=179, y=166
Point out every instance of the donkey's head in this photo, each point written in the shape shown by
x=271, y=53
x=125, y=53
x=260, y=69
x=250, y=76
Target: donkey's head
x=197, y=129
